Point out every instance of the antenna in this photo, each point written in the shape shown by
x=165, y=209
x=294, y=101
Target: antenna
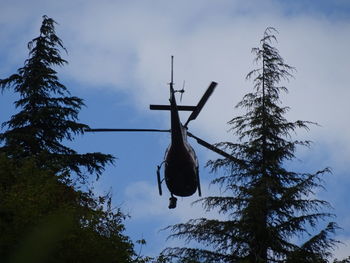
x=172, y=80
x=172, y=69
x=172, y=73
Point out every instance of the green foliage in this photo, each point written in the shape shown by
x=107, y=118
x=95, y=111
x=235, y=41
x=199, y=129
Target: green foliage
x=44, y=217
x=265, y=205
x=45, y=220
x=48, y=114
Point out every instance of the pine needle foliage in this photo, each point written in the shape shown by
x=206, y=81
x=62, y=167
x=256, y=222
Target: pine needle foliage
x=44, y=216
x=266, y=206
x=48, y=114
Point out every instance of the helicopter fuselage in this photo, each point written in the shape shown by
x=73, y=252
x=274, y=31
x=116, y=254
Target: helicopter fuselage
x=181, y=164
x=181, y=167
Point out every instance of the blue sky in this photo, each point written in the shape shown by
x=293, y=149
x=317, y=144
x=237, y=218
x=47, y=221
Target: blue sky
x=119, y=63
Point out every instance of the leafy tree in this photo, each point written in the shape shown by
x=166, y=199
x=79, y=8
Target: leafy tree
x=44, y=215
x=45, y=220
x=48, y=114
x=266, y=206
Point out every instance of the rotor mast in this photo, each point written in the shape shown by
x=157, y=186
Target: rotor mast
x=175, y=123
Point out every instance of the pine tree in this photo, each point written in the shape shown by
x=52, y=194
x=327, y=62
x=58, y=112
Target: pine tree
x=345, y=260
x=266, y=206
x=44, y=216
x=48, y=113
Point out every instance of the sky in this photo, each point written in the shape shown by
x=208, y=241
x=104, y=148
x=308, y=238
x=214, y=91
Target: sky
x=119, y=63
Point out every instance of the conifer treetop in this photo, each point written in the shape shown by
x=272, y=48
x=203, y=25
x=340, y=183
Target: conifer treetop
x=266, y=206
x=48, y=114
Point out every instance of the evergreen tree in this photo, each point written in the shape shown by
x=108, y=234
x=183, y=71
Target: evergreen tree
x=345, y=260
x=48, y=114
x=44, y=217
x=266, y=206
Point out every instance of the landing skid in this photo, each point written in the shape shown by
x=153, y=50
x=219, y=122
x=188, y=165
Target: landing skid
x=159, y=180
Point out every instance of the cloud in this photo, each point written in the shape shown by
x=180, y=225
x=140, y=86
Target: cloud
x=128, y=47
x=149, y=214
x=144, y=202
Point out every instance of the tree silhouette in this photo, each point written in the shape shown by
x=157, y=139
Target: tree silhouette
x=266, y=206
x=44, y=216
x=48, y=114
x=42, y=219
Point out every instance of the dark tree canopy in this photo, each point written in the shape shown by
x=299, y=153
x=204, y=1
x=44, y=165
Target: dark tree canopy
x=44, y=216
x=42, y=219
x=49, y=115
x=266, y=206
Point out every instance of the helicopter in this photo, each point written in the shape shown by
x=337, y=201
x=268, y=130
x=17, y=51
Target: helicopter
x=181, y=173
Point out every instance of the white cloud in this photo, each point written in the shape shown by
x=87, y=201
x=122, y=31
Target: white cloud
x=144, y=202
x=128, y=46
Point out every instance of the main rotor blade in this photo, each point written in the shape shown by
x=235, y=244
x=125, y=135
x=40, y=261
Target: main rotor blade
x=213, y=148
x=201, y=103
x=167, y=107
x=125, y=130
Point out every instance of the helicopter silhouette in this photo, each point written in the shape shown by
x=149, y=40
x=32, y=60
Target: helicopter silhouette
x=181, y=173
